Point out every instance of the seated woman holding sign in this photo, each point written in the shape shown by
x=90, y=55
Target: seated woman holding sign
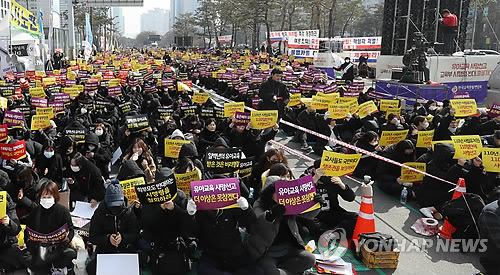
x=86, y=183
x=275, y=240
x=49, y=230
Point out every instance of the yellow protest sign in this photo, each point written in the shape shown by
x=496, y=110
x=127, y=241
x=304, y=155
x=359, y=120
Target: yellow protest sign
x=408, y=175
x=467, y=147
x=264, y=119
x=294, y=100
x=3, y=102
x=264, y=67
x=3, y=204
x=97, y=76
x=114, y=82
x=200, y=98
x=49, y=81
x=173, y=147
x=71, y=76
x=337, y=164
x=79, y=88
x=392, y=137
x=182, y=87
x=321, y=102
x=231, y=108
x=464, y=107
x=20, y=236
x=49, y=111
x=367, y=108
x=38, y=83
x=491, y=159
x=183, y=181
x=40, y=73
x=57, y=72
x=392, y=111
x=307, y=101
x=338, y=111
x=424, y=139
x=388, y=103
x=37, y=92
x=129, y=188
x=351, y=101
x=72, y=91
x=40, y=122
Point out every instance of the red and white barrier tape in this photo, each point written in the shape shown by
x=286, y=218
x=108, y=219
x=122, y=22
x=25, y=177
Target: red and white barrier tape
x=339, y=142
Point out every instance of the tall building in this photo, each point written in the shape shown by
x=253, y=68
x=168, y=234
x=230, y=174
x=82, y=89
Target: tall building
x=156, y=20
x=118, y=20
x=178, y=7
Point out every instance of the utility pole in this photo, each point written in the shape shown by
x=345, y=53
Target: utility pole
x=71, y=30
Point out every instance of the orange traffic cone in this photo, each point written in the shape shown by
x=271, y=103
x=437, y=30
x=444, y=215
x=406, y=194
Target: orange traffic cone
x=366, y=220
x=447, y=229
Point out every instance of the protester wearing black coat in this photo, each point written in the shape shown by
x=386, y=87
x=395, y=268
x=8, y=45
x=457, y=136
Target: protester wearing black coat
x=99, y=155
x=10, y=255
x=274, y=95
x=86, y=184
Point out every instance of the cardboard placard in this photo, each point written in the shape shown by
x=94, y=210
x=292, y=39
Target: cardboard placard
x=337, y=164
x=367, y=108
x=338, y=111
x=491, y=159
x=13, y=119
x=386, y=104
x=467, y=147
x=223, y=160
x=216, y=194
x=392, y=137
x=3, y=204
x=173, y=147
x=13, y=151
x=200, y=98
x=464, y=107
x=408, y=175
x=158, y=192
x=297, y=195
x=424, y=139
x=49, y=111
x=294, y=100
x=129, y=188
x=264, y=119
x=137, y=123
x=40, y=122
x=183, y=181
x=230, y=109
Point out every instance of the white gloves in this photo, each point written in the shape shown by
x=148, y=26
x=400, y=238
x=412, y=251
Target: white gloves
x=242, y=203
x=191, y=207
x=327, y=114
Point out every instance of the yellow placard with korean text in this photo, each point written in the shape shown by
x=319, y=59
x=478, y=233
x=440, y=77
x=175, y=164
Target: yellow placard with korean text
x=392, y=111
x=49, y=81
x=388, y=103
x=200, y=98
x=337, y=164
x=366, y=109
x=491, y=159
x=183, y=181
x=264, y=119
x=467, y=147
x=424, y=139
x=294, y=100
x=37, y=92
x=351, y=101
x=128, y=187
x=338, y=111
x=40, y=122
x=49, y=111
x=392, y=137
x=321, y=102
x=464, y=107
x=408, y=175
x=231, y=108
x=173, y=147
x=72, y=91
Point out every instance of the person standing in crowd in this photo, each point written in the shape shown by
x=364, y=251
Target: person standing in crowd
x=274, y=93
x=449, y=29
x=489, y=224
x=347, y=69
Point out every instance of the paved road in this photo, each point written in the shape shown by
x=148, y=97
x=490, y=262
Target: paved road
x=394, y=218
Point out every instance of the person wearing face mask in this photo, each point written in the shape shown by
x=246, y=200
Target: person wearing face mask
x=95, y=153
x=139, y=152
x=86, y=183
x=113, y=227
x=347, y=69
x=66, y=149
x=49, y=218
x=49, y=164
x=367, y=165
x=447, y=127
x=240, y=136
x=394, y=122
x=271, y=157
x=208, y=136
x=388, y=175
x=105, y=139
x=431, y=107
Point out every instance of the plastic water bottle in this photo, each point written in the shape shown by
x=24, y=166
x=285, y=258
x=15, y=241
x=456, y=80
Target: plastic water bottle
x=404, y=195
x=250, y=196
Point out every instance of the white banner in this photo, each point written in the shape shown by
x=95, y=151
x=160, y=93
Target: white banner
x=284, y=35
x=362, y=43
x=302, y=52
x=457, y=69
x=303, y=42
x=225, y=38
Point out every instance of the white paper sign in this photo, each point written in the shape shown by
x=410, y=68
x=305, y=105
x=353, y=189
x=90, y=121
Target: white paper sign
x=113, y=264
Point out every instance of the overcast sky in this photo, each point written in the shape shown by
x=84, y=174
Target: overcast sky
x=133, y=15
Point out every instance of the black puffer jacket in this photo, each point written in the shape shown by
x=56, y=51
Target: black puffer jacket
x=129, y=170
x=8, y=233
x=88, y=182
x=103, y=224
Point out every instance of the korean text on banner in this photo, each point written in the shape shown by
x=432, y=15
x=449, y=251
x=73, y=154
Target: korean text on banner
x=408, y=175
x=241, y=119
x=215, y=194
x=424, y=139
x=388, y=103
x=22, y=19
x=129, y=188
x=13, y=151
x=494, y=111
x=223, y=160
x=464, y=107
x=338, y=111
x=39, y=122
x=231, y=108
x=183, y=181
x=297, y=195
x=491, y=159
x=173, y=147
x=392, y=137
x=467, y=147
x=337, y=164
x=3, y=204
x=158, y=192
x=367, y=108
x=294, y=100
x=264, y=119
x=200, y=98
x=57, y=236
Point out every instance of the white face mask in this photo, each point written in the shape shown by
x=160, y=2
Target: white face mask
x=99, y=132
x=83, y=110
x=374, y=143
x=75, y=168
x=453, y=130
x=47, y=202
x=48, y=154
x=432, y=107
x=91, y=147
x=425, y=125
x=91, y=94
